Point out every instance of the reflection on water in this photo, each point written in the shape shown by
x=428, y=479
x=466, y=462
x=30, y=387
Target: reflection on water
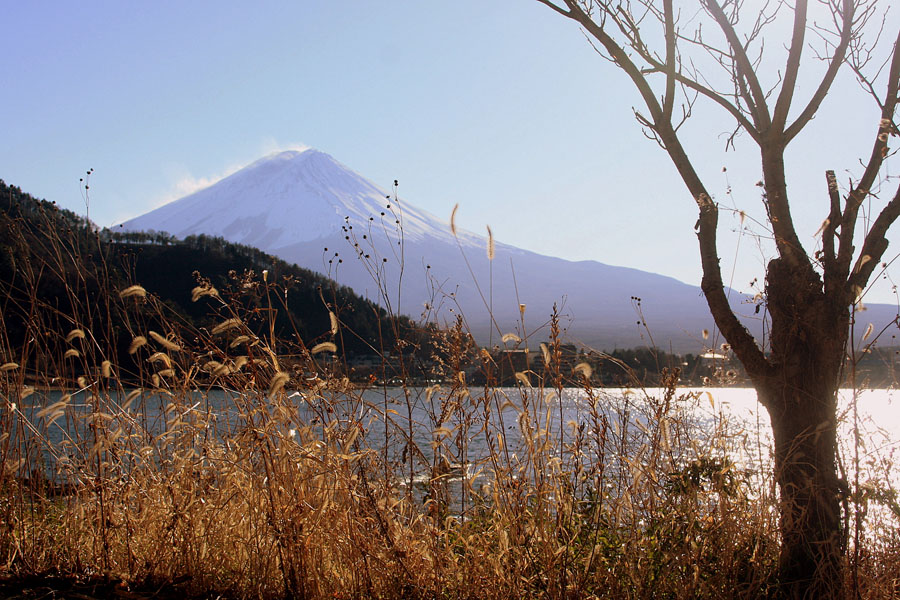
x=431, y=435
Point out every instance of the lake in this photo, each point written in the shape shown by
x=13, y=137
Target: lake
x=421, y=433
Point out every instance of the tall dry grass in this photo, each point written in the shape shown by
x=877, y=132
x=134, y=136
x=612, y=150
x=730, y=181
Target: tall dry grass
x=225, y=460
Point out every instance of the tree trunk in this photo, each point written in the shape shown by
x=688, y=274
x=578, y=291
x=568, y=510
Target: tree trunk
x=809, y=334
x=811, y=561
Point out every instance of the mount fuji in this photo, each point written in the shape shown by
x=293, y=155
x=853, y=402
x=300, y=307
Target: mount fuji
x=309, y=209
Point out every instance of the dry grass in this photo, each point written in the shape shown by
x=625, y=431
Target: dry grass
x=297, y=483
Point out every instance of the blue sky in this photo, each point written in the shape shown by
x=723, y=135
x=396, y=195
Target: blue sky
x=500, y=106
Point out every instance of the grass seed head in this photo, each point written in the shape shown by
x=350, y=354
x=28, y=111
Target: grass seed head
x=203, y=290
x=584, y=369
x=238, y=341
x=165, y=342
x=324, y=347
x=276, y=384
x=160, y=357
x=134, y=290
x=453, y=218
x=136, y=343
x=334, y=322
x=545, y=352
x=510, y=337
x=491, y=249
x=226, y=326
x=75, y=334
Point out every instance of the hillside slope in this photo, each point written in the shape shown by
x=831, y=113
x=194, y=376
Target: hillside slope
x=58, y=272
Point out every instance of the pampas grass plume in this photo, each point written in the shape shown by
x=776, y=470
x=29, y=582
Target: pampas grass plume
x=75, y=334
x=165, y=342
x=226, y=325
x=585, y=369
x=511, y=337
x=334, y=322
x=324, y=347
x=160, y=357
x=453, y=218
x=203, y=290
x=491, y=250
x=277, y=383
x=134, y=290
x=136, y=343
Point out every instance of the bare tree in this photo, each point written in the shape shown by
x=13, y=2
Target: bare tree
x=809, y=297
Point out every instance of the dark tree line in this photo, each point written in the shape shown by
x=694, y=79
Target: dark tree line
x=59, y=272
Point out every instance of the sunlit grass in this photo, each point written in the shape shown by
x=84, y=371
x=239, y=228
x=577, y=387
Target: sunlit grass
x=222, y=459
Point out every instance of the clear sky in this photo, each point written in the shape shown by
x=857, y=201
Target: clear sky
x=499, y=105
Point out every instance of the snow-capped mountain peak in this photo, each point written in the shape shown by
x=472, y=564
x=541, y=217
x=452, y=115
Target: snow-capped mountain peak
x=285, y=198
x=310, y=209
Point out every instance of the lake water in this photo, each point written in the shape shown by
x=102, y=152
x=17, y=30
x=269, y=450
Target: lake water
x=419, y=432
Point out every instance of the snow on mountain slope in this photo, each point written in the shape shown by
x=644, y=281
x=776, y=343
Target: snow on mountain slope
x=309, y=209
x=281, y=199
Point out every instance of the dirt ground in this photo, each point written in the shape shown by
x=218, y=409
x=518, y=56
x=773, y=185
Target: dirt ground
x=49, y=586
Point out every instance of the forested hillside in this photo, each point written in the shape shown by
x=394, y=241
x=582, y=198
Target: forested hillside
x=55, y=264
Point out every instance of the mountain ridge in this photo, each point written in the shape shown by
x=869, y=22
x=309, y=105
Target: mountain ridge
x=309, y=209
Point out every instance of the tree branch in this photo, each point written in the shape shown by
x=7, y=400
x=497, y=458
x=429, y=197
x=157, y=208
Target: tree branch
x=619, y=56
x=746, y=348
x=711, y=94
x=743, y=65
x=834, y=279
x=837, y=59
x=669, y=98
x=783, y=104
x=879, y=151
x=555, y=7
x=743, y=344
x=875, y=244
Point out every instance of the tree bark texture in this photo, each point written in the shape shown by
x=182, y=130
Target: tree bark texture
x=808, y=341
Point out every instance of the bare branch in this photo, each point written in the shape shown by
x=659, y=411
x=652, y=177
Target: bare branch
x=744, y=71
x=713, y=95
x=555, y=7
x=662, y=128
x=762, y=20
x=879, y=151
x=838, y=57
x=728, y=63
x=875, y=244
x=797, y=382
x=669, y=97
x=834, y=279
x=687, y=108
x=783, y=104
x=743, y=344
x=619, y=56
